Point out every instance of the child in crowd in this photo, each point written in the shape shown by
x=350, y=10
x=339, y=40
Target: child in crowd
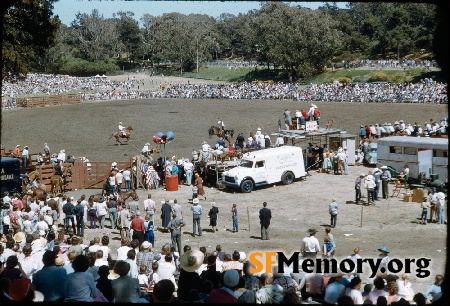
x=142, y=277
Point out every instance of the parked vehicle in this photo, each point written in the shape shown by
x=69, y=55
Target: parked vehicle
x=426, y=157
x=370, y=157
x=264, y=167
x=10, y=179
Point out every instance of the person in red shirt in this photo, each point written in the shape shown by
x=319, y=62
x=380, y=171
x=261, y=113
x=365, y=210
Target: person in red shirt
x=137, y=225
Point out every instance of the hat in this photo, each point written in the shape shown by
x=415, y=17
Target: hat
x=101, y=199
x=361, y=126
x=204, y=142
x=258, y=129
x=231, y=278
x=362, y=174
x=17, y=146
x=147, y=144
x=376, y=170
x=41, y=233
x=26, y=147
x=59, y=261
x=383, y=249
x=19, y=237
x=396, y=122
x=72, y=198
x=195, y=201
x=338, y=274
x=191, y=260
x=401, y=121
x=213, y=203
x=114, y=164
x=267, y=136
x=369, y=178
x=146, y=244
x=312, y=231
x=19, y=289
x=138, y=213
x=242, y=256
x=345, y=148
x=163, y=201
x=120, y=122
x=383, y=167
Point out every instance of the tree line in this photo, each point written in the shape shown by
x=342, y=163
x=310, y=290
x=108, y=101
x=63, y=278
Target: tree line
x=298, y=40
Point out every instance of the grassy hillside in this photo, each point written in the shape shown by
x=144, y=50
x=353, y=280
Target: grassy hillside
x=355, y=75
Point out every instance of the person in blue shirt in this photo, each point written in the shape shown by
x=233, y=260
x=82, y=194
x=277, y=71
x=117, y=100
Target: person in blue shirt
x=434, y=288
x=334, y=288
x=50, y=280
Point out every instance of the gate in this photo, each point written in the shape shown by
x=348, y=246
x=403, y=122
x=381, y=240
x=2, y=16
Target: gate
x=84, y=175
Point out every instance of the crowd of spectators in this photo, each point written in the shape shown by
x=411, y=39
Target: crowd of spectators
x=395, y=63
x=426, y=91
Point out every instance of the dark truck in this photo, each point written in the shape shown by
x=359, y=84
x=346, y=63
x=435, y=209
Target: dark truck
x=10, y=179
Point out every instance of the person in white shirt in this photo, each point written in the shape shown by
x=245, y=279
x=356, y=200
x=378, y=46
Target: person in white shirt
x=24, y=156
x=27, y=226
x=123, y=250
x=6, y=198
x=100, y=261
x=49, y=218
x=310, y=245
x=354, y=292
x=96, y=246
x=188, y=169
x=167, y=269
x=127, y=178
x=119, y=180
x=61, y=156
x=150, y=206
x=42, y=225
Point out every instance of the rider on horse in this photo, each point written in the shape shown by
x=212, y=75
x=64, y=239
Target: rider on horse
x=122, y=129
x=221, y=124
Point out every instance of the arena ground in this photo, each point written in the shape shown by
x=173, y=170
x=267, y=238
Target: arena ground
x=84, y=130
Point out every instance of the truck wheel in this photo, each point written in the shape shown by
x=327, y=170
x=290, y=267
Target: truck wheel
x=287, y=178
x=247, y=186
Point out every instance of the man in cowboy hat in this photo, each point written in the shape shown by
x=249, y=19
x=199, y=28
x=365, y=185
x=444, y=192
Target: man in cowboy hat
x=175, y=226
x=189, y=279
x=358, y=182
x=196, y=209
x=310, y=245
x=370, y=185
x=385, y=178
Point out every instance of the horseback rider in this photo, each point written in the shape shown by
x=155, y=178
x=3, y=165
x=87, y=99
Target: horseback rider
x=122, y=131
x=221, y=124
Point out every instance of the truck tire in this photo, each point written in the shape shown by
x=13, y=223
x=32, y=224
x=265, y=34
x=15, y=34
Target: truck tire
x=247, y=186
x=288, y=178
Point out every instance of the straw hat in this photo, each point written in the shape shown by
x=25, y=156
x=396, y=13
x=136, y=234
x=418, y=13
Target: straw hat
x=384, y=249
x=19, y=237
x=195, y=201
x=191, y=260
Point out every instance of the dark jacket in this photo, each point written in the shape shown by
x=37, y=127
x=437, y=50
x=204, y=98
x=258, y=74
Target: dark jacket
x=68, y=208
x=264, y=216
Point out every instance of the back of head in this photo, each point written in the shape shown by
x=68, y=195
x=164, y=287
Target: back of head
x=163, y=291
x=168, y=258
x=105, y=240
x=378, y=282
x=80, y=263
x=345, y=300
x=122, y=267
x=382, y=301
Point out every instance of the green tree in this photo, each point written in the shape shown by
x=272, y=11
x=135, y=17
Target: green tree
x=299, y=40
x=28, y=30
x=130, y=35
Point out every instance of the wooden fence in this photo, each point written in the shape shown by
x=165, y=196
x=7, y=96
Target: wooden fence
x=49, y=100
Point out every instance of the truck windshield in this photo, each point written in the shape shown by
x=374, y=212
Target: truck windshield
x=246, y=163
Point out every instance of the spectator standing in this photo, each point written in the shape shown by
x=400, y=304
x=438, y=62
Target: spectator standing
x=125, y=218
x=264, y=218
x=310, y=245
x=358, y=182
x=137, y=225
x=112, y=211
x=150, y=206
x=166, y=212
x=196, y=209
x=385, y=178
x=235, y=218
x=127, y=178
x=102, y=210
x=149, y=234
x=213, y=216
x=24, y=156
x=68, y=210
x=333, y=211
x=175, y=226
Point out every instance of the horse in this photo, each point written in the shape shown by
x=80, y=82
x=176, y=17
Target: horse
x=225, y=134
x=122, y=196
x=122, y=134
x=39, y=194
x=58, y=182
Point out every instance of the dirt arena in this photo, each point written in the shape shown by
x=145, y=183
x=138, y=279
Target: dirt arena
x=84, y=130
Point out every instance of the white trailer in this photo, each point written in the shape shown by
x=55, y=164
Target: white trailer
x=421, y=154
x=264, y=167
